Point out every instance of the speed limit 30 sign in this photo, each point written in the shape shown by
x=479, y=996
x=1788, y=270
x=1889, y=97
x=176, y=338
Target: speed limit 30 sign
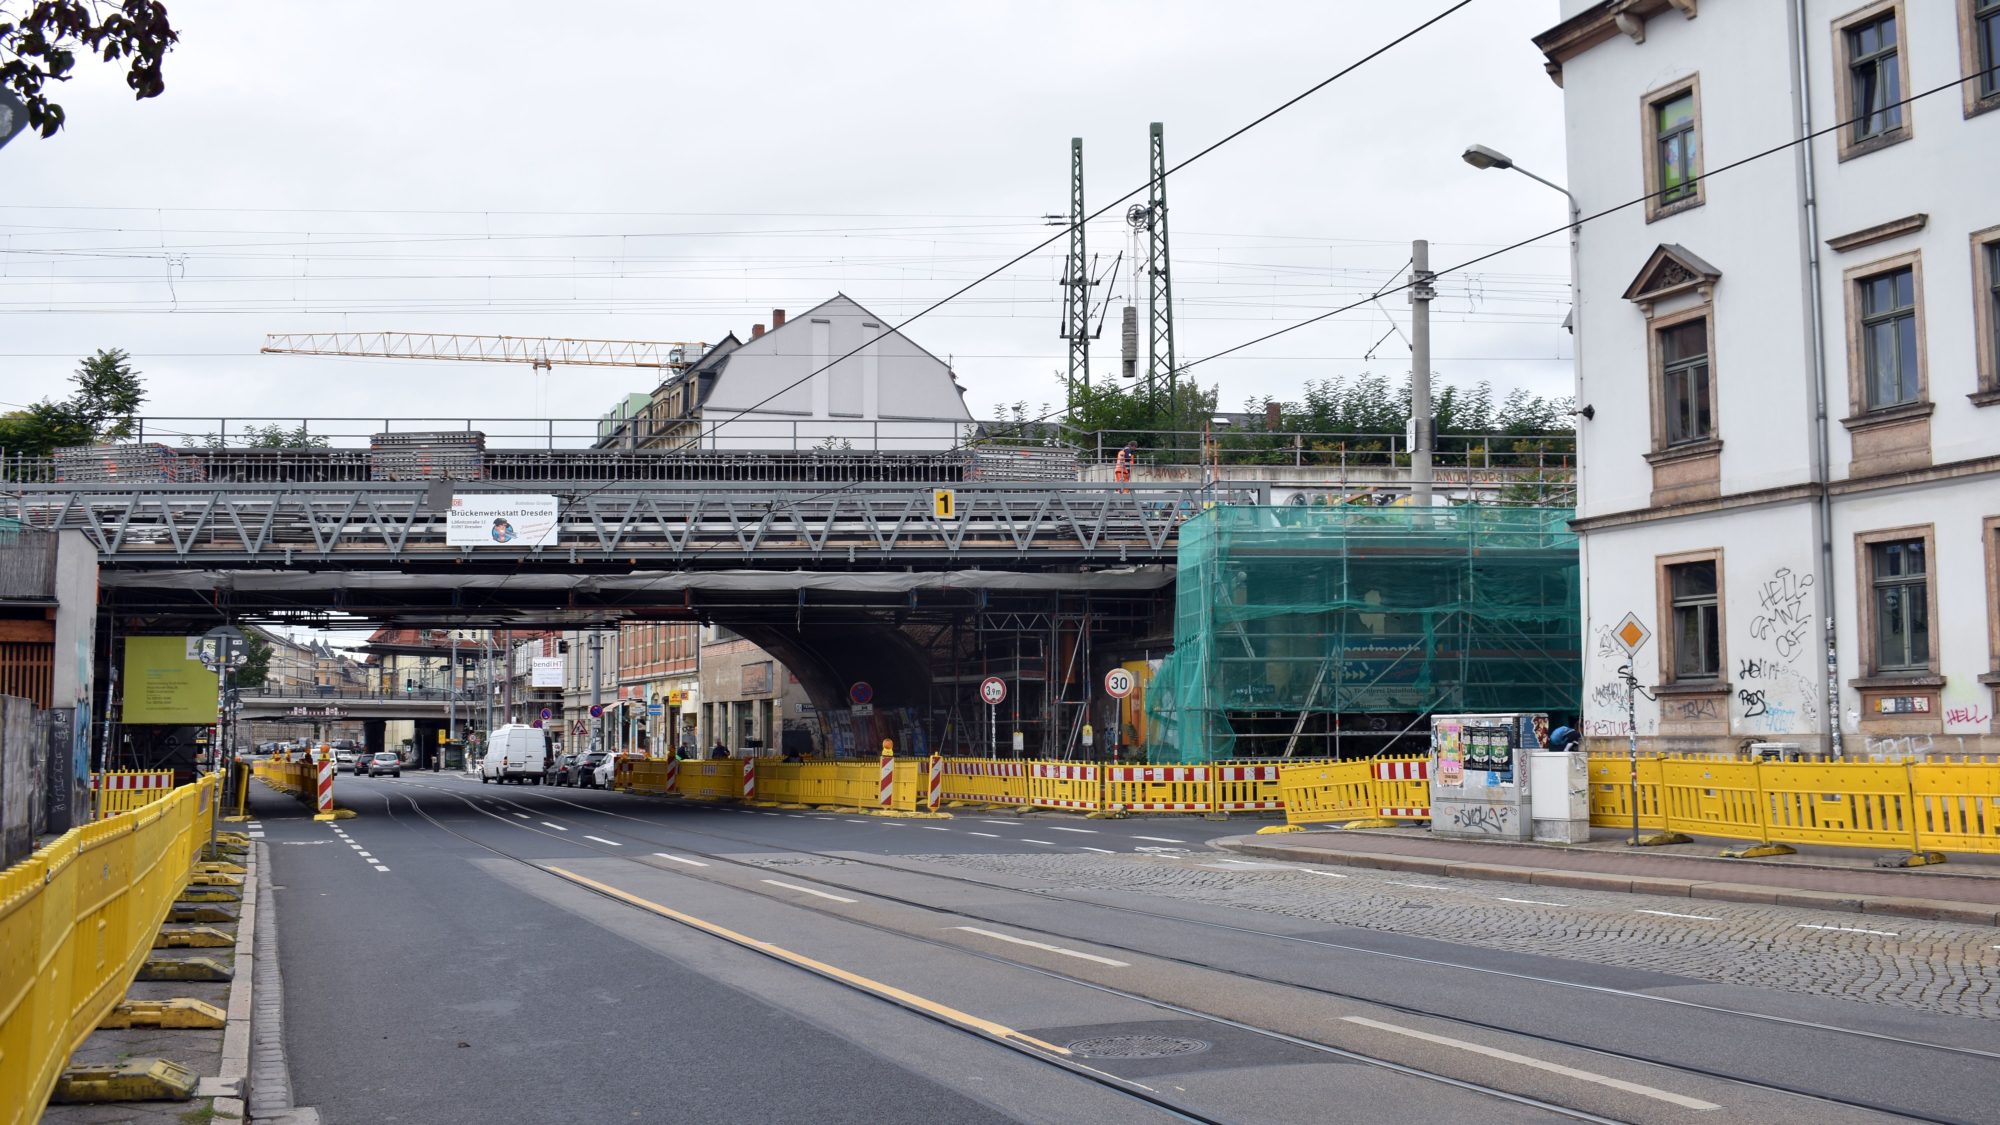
x=1119, y=682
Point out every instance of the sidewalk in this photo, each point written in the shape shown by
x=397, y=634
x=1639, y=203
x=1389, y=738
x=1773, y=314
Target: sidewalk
x=1966, y=889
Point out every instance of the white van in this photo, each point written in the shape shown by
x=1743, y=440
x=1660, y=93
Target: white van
x=515, y=753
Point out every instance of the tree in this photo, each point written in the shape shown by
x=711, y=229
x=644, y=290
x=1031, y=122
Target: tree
x=40, y=45
x=256, y=667
x=108, y=393
x=272, y=436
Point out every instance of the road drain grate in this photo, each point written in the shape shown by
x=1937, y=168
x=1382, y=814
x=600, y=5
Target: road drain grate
x=1136, y=1047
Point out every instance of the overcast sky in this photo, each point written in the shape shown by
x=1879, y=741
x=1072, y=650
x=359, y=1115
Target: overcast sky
x=674, y=171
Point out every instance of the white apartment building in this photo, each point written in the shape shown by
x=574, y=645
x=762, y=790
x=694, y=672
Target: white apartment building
x=1792, y=368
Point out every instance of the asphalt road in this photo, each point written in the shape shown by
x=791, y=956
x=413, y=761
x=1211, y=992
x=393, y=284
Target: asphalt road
x=462, y=952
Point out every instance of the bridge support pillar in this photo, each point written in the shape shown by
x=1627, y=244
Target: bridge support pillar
x=374, y=735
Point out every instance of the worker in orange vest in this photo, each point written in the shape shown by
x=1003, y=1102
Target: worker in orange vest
x=1121, y=469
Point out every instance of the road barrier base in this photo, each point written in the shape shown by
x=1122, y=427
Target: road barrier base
x=1662, y=839
x=336, y=814
x=1753, y=851
x=1115, y=812
x=1372, y=822
x=173, y=1015
x=184, y=969
x=1909, y=859
x=212, y=894
x=200, y=912
x=1274, y=829
x=220, y=868
x=136, y=1080
x=200, y=937
x=215, y=879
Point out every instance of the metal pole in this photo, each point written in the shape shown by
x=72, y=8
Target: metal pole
x=596, y=694
x=451, y=705
x=507, y=667
x=1422, y=441
x=1632, y=741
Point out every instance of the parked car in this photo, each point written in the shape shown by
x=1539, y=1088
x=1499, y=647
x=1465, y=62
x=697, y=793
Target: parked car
x=607, y=771
x=385, y=761
x=585, y=774
x=565, y=770
x=516, y=753
x=342, y=757
x=360, y=762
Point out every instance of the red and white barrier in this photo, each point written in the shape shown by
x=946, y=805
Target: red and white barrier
x=937, y=782
x=1401, y=771
x=749, y=779
x=325, y=804
x=673, y=775
x=888, y=773
x=133, y=779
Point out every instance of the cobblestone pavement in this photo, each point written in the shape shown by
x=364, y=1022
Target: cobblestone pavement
x=1929, y=966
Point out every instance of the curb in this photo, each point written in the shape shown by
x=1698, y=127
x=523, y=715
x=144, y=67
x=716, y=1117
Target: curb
x=270, y=1093
x=1926, y=909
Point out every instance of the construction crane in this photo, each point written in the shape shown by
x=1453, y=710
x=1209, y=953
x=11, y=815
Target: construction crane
x=542, y=353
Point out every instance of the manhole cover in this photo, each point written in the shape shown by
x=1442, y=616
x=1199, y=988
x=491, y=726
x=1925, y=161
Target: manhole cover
x=1136, y=1046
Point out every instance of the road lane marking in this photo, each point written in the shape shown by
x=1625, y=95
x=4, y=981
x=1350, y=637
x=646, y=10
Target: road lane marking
x=256, y=835
x=808, y=891
x=1160, y=839
x=557, y=827
x=364, y=855
x=1848, y=930
x=379, y=867
x=988, y=835
x=932, y=828
x=1671, y=914
x=678, y=859
x=1088, y=848
x=1044, y=843
x=858, y=820
x=1045, y=946
x=1681, y=1100
x=602, y=840
x=1328, y=874
x=1419, y=886
x=524, y=816
x=855, y=980
x=1533, y=902
x=1060, y=828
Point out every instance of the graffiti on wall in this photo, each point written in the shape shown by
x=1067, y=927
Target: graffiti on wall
x=1776, y=688
x=1605, y=699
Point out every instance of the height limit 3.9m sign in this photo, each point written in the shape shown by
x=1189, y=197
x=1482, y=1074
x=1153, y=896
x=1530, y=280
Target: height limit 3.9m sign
x=492, y=520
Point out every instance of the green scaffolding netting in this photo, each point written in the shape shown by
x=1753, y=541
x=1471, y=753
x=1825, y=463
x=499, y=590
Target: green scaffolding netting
x=1297, y=626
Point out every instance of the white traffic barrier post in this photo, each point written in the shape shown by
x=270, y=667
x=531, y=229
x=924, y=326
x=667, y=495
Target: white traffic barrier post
x=673, y=775
x=749, y=779
x=888, y=772
x=325, y=803
x=937, y=781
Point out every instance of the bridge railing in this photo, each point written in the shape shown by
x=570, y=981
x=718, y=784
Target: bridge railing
x=329, y=691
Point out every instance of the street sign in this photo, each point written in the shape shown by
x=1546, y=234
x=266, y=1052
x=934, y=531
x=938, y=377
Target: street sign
x=861, y=692
x=597, y=710
x=13, y=117
x=993, y=690
x=864, y=709
x=548, y=713
x=1119, y=682
x=655, y=709
x=944, y=503
x=1631, y=634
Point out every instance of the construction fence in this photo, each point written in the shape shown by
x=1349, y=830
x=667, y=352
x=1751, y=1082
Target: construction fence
x=77, y=919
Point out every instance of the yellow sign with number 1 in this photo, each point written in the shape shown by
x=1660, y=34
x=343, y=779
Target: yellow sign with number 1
x=944, y=503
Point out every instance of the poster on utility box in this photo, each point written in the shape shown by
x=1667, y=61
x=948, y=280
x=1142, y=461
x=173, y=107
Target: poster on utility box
x=492, y=520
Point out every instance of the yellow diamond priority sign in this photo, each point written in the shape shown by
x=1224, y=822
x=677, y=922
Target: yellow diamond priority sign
x=1631, y=635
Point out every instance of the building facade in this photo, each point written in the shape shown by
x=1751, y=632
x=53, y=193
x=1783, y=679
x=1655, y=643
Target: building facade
x=659, y=668
x=749, y=702
x=1790, y=369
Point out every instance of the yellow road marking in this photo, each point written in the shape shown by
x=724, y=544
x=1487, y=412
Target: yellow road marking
x=889, y=991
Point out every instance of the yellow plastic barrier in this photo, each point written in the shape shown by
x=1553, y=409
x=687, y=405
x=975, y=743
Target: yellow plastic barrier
x=720, y=779
x=986, y=781
x=1957, y=806
x=1708, y=796
x=1324, y=794
x=77, y=919
x=1851, y=803
x=1077, y=786
x=1159, y=788
x=1611, y=793
x=124, y=790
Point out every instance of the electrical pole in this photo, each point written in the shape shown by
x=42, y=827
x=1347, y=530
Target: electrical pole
x=1160, y=292
x=1423, y=437
x=1076, y=279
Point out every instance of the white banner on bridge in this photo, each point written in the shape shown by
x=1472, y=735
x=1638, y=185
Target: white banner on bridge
x=546, y=671
x=485, y=520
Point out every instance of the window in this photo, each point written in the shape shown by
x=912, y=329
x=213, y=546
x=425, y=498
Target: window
x=1684, y=382
x=1900, y=608
x=1979, y=49
x=1889, y=338
x=1671, y=127
x=1674, y=122
x=1697, y=634
x=1873, y=76
x=1986, y=313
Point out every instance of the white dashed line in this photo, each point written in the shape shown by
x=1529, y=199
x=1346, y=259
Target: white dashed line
x=796, y=816
x=1060, y=828
x=379, y=867
x=678, y=859
x=1088, y=848
x=1328, y=874
x=808, y=891
x=1043, y=945
x=1852, y=930
x=602, y=840
x=364, y=855
x=524, y=816
x=932, y=828
x=1681, y=1100
x=1160, y=839
x=823, y=818
x=256, y=835
x=1671, y=914
x=557, y=827
x=1044, y=843
x=1533, y=902
x=988, y=835
x=1419, y=886
x=858, y=820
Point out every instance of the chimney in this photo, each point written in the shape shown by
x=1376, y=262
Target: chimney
x=1273, y=416
x=777, y=319
x=756, y=330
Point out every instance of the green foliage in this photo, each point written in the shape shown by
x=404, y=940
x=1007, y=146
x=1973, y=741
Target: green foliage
x=257, y=668
x=40, y=39
x=108, y=393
